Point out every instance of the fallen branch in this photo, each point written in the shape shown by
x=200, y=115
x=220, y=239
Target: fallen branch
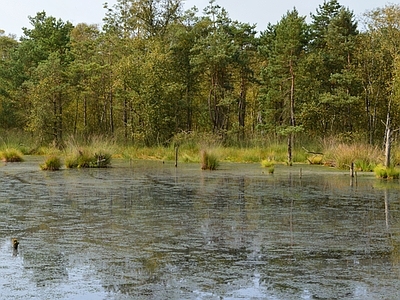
x=312, y=152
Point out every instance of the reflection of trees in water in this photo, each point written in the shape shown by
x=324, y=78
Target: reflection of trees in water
x=161, y=233
x=392, y=220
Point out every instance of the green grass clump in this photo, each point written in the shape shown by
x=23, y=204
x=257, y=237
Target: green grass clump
x=209, y=161
x=102, y=159
x=11, y=155
x=52, y=163
x=85, y=159
x=344, y=154
x=364, y=165
x=266, y=163
x=384, y=172
x=316, y=159
x=269, y=164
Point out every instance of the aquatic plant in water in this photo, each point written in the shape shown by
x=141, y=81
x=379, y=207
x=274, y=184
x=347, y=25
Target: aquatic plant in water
x=209, y=161
x=11, y=155
x=52, y=163
x=386, y=172
x=84, y=159
x=266, y=163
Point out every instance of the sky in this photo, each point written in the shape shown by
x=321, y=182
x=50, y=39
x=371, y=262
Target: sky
x=14, y=13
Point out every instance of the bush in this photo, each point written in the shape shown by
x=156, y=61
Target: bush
x=11, y=155
x=208, y=161
x=52, y=163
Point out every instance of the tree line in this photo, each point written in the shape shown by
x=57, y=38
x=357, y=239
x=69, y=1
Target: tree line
x=154, y=71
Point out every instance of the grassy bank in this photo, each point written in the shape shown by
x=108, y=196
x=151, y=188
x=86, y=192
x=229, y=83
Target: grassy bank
x=330, y=152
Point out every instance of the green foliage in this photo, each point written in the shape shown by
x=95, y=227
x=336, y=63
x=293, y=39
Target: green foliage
x=343, y=154
x=155, y=75
x=267, y=163
x=86, y=159
x=316, y=159
x=52, y=163
x=209, y=161
x=270, y=165
x=386, y=173
x=365, y=165
x=11, y=155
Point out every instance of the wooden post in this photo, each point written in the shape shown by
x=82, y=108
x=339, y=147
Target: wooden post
x=352, y=169
x=176, y=156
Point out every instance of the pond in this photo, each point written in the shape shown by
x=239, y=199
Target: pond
x=148, y=230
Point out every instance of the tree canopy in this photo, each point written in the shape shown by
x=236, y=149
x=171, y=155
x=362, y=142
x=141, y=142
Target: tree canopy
x=154, y=71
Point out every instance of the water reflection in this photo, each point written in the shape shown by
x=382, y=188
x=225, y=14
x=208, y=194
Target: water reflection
x=152, y=231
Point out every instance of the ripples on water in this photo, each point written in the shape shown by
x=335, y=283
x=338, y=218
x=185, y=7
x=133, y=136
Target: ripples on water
x=149, y=231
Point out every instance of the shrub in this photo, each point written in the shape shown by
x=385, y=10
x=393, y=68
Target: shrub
x=11, y=155
x=52, y=163
x=208, y=161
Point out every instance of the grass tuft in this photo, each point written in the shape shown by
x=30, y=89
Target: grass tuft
x=11, y=155
x=85, y=159
x=365, y=156
x=52, y=163
x=316, y=159
x=209, y=161
x=386, y=173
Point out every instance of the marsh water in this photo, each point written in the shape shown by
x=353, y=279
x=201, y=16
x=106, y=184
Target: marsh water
x=148, y=230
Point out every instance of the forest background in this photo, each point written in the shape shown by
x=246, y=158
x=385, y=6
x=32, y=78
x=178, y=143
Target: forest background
x=157, y=76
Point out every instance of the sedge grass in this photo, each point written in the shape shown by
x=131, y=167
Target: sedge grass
x=209, y=160
x=386, y=172
x=11, y=155
x=52, y=163
x=363, y=155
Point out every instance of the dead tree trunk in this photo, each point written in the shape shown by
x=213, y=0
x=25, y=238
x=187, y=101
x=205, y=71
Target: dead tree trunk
x=387, y=147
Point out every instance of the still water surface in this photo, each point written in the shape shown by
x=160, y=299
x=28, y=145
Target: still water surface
x=147, y=230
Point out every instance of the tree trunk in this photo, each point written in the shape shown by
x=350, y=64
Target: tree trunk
x=242, y=107
x=292, y=117
x=387, y=147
